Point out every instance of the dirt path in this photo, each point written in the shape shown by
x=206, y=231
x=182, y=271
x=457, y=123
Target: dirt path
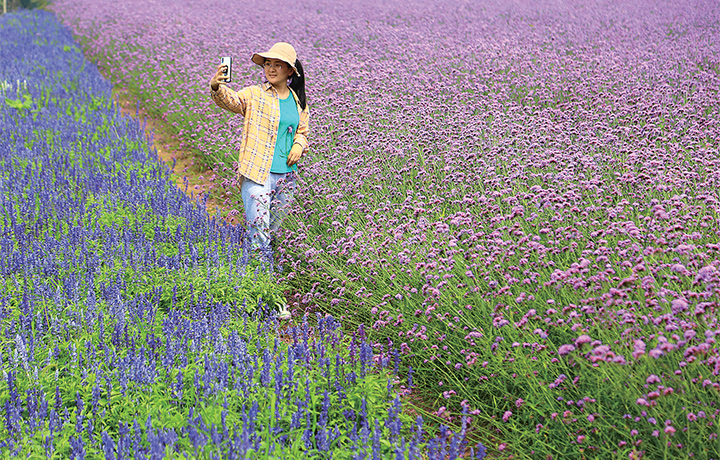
x=168, y=148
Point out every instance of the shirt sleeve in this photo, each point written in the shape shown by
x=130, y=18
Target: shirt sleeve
x=234, y=101
x=302, y=131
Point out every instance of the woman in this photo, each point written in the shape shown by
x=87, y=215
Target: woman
x=274, y=138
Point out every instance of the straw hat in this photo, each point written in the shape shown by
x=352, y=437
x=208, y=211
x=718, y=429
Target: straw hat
x=281, y=50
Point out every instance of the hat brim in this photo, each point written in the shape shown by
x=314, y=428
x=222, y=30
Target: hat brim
x=259, y=59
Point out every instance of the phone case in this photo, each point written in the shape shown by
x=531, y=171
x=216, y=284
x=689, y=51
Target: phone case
x=227, y=60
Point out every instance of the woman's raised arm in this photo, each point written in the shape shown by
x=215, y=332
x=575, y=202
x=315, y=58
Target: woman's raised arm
x=223, y=96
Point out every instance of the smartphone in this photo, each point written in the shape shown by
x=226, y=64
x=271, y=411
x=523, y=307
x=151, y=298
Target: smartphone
x=227, y=60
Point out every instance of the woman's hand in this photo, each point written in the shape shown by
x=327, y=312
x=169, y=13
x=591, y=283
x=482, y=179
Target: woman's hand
x=294, y=155
x=218, y=78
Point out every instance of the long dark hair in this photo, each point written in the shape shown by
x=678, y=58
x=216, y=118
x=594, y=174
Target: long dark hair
x=297, y=84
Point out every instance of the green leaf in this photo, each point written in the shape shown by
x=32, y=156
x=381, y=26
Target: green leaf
x=25, y=103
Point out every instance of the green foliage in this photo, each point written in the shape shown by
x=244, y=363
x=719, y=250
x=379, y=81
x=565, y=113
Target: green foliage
x=24, y=103
x=183, y=288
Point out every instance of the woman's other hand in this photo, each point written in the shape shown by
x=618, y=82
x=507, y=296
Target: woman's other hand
x=294, y=155
x=218, y=78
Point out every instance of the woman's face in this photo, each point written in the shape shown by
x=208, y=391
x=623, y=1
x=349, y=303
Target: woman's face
x=277, y=71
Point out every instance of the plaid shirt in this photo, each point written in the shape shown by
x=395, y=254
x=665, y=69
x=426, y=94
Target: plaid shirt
x=261, y=107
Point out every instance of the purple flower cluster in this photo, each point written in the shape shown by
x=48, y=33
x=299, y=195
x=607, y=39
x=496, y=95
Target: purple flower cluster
x=522, y=197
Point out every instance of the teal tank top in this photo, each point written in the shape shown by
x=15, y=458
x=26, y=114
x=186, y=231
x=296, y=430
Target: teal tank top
x=289, y=120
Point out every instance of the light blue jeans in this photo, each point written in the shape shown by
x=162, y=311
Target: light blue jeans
x=266, y=206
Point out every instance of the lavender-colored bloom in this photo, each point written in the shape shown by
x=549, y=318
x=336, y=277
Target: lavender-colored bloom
x=307, y=437
x=583, y=339
x=566, y=349
x=77, y=447
x=480, y=451
x=376, y=435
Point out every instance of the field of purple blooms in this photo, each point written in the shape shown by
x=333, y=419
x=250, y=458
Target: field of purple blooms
x=131, y=324
x=520, y=196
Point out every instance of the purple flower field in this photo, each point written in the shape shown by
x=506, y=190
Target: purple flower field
x=522, y=198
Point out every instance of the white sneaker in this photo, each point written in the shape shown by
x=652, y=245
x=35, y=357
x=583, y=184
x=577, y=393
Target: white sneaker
x=283, y=312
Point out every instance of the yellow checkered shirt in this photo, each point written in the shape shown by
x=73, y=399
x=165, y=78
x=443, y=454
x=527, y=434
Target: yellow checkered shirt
x=260, y=105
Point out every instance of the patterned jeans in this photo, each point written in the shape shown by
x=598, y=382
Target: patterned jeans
x=266, y=206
